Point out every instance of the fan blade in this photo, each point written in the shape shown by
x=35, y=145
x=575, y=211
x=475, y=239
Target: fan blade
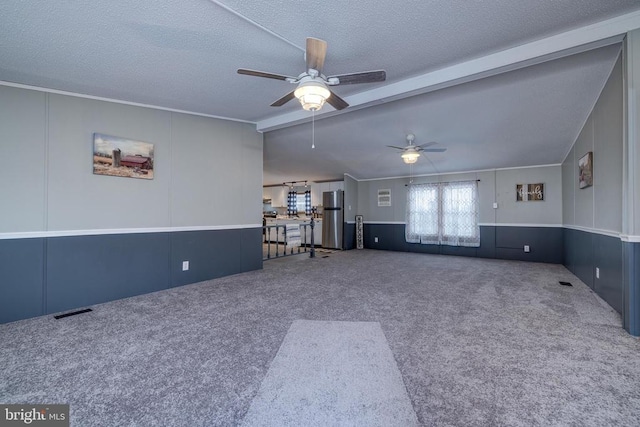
x=434, y=150
x=280, y=102
x=399, y=148
x=315, y=53
x=426, y=144
x=336, y=102
x=364, y=77
x=263, y=74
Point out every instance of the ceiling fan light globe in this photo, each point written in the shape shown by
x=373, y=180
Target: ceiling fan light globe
x=312, y=95
x=311, y=103
x=410, y=157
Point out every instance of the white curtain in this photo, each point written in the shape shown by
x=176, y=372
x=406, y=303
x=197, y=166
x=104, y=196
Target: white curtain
x=443, y=214
x=422, y=214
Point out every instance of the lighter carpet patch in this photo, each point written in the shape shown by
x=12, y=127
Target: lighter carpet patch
x=332, y=373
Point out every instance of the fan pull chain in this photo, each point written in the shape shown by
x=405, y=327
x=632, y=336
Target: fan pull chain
x=313, y=129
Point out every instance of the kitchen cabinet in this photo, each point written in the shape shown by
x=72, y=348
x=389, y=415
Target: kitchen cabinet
x=317, y=233
x=336, y=185
x=316, y=194
x=266, y=193
x=317, y=188
x=277, y=195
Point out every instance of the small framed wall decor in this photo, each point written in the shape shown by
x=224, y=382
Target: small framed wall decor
x=585, y=170
x=384, y=197
x=529, y=192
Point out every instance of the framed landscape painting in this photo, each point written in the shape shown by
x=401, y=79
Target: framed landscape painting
x=585, y=170
x=117, y=156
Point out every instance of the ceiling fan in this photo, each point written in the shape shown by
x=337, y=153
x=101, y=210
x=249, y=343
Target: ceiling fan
x=411, y=152
x=312, y=90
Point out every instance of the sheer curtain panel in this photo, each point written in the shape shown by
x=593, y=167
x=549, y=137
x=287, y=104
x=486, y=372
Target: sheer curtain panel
x=443, y=214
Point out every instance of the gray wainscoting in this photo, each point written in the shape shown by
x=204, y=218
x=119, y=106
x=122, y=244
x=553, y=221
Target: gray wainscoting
x=584, y=251
x=215, y=253
x=21, y=279
x=545, y=243
x=85, y=270
x=495, y=242
x=631, y=285
x=349, y=235
x=48, y=275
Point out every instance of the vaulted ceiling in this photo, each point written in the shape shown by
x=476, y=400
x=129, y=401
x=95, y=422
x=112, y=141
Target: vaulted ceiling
x=499, y=83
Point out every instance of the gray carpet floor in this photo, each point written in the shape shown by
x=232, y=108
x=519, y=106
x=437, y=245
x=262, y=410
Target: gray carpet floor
x=477, y=342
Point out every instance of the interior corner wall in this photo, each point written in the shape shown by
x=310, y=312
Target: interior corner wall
x=592, y=216
x=631, y=186
x=69, y=238
x=350, y=211
x=504, y=231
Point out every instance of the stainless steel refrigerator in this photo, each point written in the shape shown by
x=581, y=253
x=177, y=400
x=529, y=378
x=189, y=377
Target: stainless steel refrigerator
x=332, y=219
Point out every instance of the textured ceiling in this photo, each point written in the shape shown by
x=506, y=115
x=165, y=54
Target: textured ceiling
x=183, y=54
x=522, y=118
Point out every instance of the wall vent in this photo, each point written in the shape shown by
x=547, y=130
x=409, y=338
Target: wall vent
x=72, y=313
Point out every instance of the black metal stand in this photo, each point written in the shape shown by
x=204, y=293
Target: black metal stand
x=313, y=247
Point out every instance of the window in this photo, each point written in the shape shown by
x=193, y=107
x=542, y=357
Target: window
x=299, y=202
x=443, y=214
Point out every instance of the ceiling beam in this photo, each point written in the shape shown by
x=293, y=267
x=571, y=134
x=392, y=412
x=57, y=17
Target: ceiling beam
x=582, y=39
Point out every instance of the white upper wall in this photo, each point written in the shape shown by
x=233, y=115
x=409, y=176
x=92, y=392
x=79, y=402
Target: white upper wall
x=216, y=172
x=598, y=207
x=631, y=159
x=494, y=186
x=23, y=148
x=79, y=200
x=207, y=172
x=546, y=212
